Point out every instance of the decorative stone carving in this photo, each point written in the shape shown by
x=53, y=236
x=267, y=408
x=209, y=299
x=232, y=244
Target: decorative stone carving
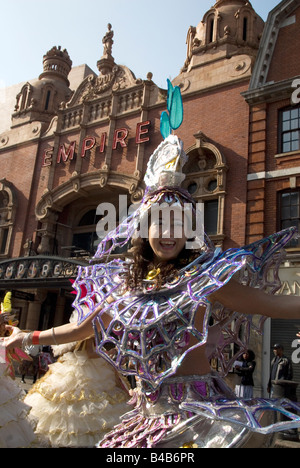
x=107, y=41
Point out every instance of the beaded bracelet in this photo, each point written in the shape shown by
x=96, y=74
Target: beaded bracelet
x=26, y=342
x=30, y=340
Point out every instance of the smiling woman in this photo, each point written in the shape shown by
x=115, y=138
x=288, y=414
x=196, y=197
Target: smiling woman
x=161, y=314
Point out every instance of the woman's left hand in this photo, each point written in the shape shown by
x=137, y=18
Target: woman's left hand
x=14, y=340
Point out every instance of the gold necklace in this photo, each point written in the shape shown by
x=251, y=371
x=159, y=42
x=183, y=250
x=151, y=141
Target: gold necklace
x=153, y=274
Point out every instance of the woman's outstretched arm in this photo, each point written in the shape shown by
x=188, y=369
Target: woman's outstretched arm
x=59, y=335
x=248, y=300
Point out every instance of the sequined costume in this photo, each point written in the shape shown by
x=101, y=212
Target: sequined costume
x=148, y=335
x=151, y=329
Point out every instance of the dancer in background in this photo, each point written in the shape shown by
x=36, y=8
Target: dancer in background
x=16, y=430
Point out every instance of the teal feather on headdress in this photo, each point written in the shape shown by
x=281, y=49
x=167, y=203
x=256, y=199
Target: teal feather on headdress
x=172, y=119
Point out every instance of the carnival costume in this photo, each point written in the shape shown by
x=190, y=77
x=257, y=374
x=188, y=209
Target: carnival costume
x=78, y=400
x=16, y=430
x=150, y=329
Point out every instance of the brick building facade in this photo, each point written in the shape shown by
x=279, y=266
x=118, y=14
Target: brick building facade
x=69, y=149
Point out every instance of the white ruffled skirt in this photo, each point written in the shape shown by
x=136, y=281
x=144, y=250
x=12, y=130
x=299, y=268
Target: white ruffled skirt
x=16, y=431
x=76, y=402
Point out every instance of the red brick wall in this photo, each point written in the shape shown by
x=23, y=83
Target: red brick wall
x=285, y=59
x=17, y=167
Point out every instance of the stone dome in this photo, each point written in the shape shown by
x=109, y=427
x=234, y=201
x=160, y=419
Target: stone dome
x=230, y=27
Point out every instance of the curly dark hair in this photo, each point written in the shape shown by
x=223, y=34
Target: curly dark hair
x=143, y=262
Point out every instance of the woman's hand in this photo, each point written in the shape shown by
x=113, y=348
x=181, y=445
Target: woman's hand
x=14, y=340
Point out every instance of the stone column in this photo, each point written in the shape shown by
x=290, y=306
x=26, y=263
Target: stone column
x=59, y=311
x=33, y=316
x=24, y=315
x=34, y=310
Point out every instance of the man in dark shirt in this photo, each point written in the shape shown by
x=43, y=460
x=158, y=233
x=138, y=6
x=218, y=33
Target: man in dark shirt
x=281, y=370
x=281, y=385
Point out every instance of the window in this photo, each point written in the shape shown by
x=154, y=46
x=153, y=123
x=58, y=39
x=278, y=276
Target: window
x=211, y=208
x=3, y=240
x=8, y=207
x=47, y=100
x=211, y=30
x=245, y=28
x=290, y=129
x=85, y=239
x=289, y=208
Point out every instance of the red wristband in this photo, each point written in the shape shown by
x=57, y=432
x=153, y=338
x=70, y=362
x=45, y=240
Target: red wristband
x=36, y=338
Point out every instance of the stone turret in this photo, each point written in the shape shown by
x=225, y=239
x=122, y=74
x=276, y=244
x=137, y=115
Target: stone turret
x=39, y=100
x=223, y=45
x=57, y=65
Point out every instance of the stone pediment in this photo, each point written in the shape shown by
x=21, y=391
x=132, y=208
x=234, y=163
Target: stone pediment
x=94, y=87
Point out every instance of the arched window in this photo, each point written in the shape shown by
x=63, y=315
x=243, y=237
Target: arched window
x=87, y=235
x=23, y=99
x=210, y=22
x=85, y=238
x=245, y=28
x=206, y=181
x=246, y=21
x=8, y=207
x=211, y=25
x=47, y=101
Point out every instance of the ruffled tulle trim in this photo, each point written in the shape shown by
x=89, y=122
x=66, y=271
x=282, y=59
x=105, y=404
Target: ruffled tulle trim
x=76, y=402
x=17, y=434
x=16, y=429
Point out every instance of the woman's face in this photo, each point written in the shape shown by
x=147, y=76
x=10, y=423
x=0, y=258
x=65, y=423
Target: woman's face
x=167, y=235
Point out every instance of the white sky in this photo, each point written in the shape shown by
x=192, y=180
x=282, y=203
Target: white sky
x=149, y=35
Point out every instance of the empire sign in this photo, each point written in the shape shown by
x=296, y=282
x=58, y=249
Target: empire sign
x=29, y=270
x=119, y=139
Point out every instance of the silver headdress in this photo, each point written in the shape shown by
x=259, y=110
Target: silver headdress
x=165, y=165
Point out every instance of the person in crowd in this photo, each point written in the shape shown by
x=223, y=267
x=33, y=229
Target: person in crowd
x=281, y=373
x=281, y=384
x=245, y=369
x=31, y=367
